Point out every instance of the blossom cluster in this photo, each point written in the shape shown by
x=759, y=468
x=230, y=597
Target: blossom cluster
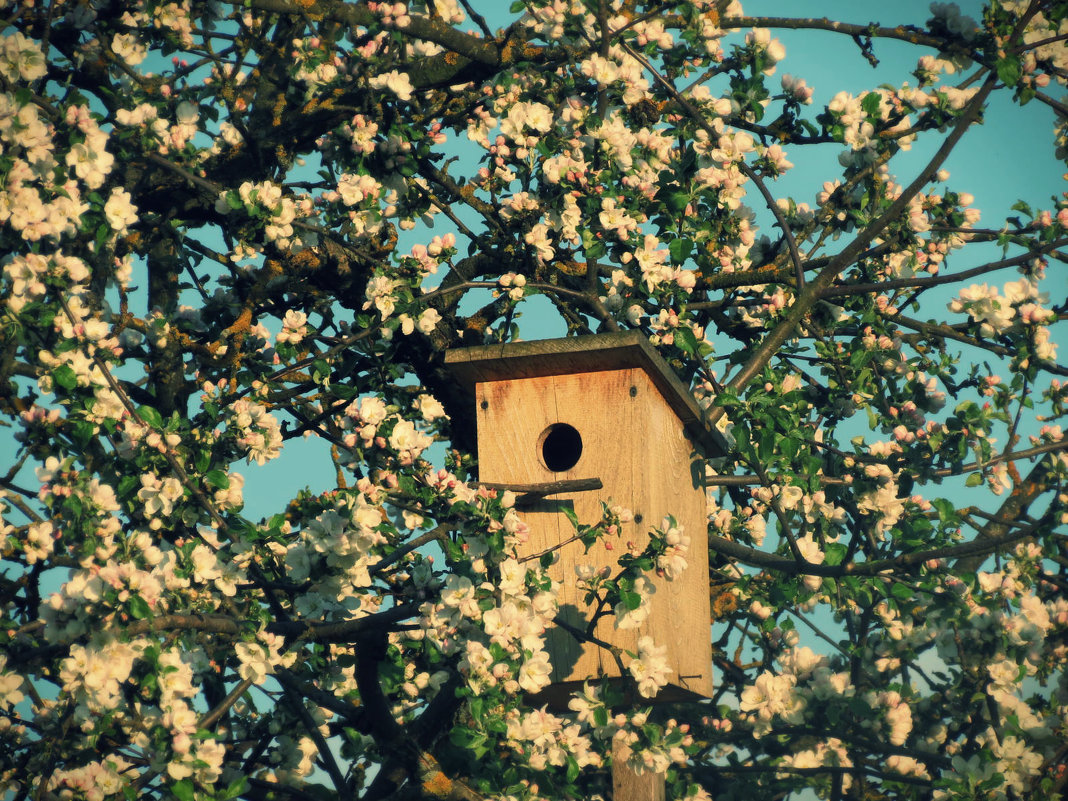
x=215, y=239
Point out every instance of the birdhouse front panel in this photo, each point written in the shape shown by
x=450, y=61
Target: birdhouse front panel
x=614, y=425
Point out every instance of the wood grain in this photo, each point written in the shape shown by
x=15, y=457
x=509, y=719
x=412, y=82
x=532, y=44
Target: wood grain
x=635, y=443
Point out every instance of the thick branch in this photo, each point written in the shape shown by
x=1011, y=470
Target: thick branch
x=978, y=548
x=948, y=278
x=342, y=631
x=904, y=33
x=429, y=29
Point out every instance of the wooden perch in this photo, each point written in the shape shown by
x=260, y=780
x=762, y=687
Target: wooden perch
x=532, y=493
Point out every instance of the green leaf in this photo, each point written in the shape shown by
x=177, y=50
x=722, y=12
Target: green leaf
x=64, y=376
x=469, y=740
x=680, y=249
x=632, y=600
x=343, y=392
x=572, y=768
x=236, y=788
x=139, y=607
x=477, y=707
x=183, y=790
x=766, y=442
x=83, y=433
x=685, y=339
x=1009, y=70
x=569, y=511
x=677, y=201
x=974, y=480
x=150, y=416
x=217, y=479
x=901, y=591
x=320, y=370
x=834, y=553
x=127, y=485
x=788, y=447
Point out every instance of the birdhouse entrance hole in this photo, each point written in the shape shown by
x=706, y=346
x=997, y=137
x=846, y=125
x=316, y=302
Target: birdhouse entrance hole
x=560, y=447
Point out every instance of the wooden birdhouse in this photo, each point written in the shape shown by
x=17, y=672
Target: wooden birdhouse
x=602, y=407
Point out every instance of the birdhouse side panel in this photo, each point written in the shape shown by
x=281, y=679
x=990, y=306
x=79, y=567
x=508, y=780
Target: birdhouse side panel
x=673, y=484
x=650, y=467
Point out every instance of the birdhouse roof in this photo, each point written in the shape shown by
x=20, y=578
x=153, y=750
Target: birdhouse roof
x=586, y=354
